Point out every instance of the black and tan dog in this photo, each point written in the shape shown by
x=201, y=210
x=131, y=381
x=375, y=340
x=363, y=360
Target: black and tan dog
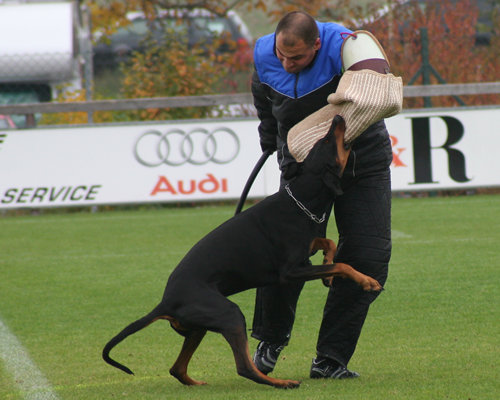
x=268, y=243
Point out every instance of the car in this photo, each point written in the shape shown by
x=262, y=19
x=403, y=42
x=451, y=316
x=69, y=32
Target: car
x=6, y=122
x=21, y=94
x=196, y=27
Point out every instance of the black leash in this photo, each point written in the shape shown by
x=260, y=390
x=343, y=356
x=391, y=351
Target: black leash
x=263, y=158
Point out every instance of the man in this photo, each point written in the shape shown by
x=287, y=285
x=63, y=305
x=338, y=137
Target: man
x=296, y=68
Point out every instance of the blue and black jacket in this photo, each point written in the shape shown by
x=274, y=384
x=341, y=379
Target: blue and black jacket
x=282, y=99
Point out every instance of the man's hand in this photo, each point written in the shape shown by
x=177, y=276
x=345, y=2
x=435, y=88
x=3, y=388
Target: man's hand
x=265, y=146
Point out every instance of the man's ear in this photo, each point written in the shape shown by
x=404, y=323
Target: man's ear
x=317, y=44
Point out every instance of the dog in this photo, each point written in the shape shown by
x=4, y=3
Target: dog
x=269, y=243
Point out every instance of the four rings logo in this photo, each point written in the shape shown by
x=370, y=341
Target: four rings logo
x=177, y=147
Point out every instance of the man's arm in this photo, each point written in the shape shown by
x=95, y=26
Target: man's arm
x=268, y=128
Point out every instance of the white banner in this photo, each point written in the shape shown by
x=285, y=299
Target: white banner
x=168, y=162
x=445, y=149
x=212, y=159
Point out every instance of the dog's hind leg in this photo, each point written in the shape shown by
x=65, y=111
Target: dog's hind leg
x=179, y=369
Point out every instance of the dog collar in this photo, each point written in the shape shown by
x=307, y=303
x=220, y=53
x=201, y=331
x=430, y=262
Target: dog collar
x=314, y=217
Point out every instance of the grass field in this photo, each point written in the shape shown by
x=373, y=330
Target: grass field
x=70, y=281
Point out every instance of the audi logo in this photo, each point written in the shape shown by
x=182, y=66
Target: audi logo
x=177, y=147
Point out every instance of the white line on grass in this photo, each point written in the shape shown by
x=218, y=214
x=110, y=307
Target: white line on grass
x=208, y=212
x=28, y=378
x=400, y=235
x=108, y=383
x=474, y=240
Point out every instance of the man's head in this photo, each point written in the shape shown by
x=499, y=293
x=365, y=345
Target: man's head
x=297, y=41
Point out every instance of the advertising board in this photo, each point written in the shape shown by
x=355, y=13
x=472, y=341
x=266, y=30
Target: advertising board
x=207, y=160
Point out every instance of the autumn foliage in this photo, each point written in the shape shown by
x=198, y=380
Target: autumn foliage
x=451, y=45
x=173, y=69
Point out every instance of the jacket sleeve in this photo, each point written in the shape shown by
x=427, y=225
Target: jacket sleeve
x=268, y=127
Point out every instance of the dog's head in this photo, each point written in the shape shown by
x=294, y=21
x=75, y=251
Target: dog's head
x=326, y=159
x=326, y=151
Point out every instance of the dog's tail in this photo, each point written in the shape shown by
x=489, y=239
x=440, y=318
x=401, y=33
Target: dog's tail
x=129, y=330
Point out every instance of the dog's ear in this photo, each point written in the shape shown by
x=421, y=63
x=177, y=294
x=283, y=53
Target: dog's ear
x=331, y=179
x=292, y=170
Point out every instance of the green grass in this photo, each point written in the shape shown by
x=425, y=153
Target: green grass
x=69, y=282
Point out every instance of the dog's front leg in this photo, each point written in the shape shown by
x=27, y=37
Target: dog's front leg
x=366, y=282
x=310, y=272
x=329, y=248
x=245, y=367
x=327, y=245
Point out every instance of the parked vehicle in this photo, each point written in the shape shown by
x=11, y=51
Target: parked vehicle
x=43, y=55
x=195, y=27
x=6, y=122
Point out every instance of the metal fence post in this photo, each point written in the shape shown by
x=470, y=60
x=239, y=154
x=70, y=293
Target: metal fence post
x=427, y=69
x=426, y=78
x=88, y=62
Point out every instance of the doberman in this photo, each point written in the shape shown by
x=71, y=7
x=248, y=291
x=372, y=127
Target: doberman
x=268, y=243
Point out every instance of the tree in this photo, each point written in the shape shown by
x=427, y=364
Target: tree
x=173, y=69
x=178, y=70
x=453, y=53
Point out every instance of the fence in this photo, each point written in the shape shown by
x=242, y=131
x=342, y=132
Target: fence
x=89, y=107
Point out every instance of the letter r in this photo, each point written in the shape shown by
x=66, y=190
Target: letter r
x=422, y=149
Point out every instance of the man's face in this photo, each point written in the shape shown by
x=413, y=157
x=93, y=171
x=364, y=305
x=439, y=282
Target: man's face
x=295, y=55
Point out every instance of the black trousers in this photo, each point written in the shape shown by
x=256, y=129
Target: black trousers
x=363, y=218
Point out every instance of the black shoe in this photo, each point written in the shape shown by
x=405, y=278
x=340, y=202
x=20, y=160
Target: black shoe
x=266, y=356
x=326, y=368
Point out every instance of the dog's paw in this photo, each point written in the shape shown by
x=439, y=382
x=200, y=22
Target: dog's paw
x=371, y=285
x=327, y=281
x=185, y=379
x=287, y=384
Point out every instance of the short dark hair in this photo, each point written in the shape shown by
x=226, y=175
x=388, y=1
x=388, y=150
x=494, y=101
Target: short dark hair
x=298, y=24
